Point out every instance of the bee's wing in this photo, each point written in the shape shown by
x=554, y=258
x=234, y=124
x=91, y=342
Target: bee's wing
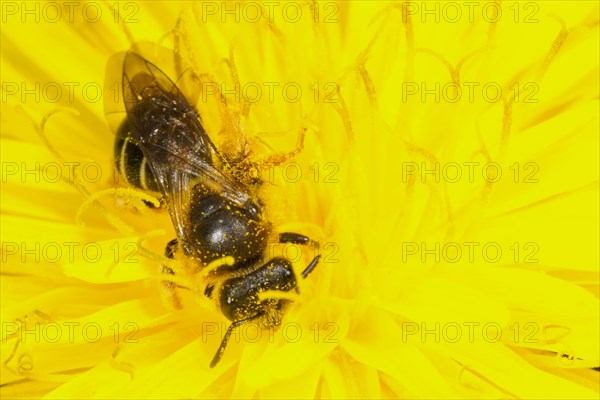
x=178, y=150
x=186, y=79
x=177, y=176
x=114, y=108
x=172, y=65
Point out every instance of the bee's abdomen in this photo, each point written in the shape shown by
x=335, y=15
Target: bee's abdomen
x=132, y=164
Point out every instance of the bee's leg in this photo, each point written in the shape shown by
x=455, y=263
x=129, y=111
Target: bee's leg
x=168, y=286
x=208, y=290
x=223, y=345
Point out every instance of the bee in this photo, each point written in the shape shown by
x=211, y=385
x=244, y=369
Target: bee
x=162, y=147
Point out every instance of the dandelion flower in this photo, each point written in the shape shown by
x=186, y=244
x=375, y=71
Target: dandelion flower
x=449, y=170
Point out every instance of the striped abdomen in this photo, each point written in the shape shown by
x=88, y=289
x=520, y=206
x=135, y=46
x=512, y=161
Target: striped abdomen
x=131, y=162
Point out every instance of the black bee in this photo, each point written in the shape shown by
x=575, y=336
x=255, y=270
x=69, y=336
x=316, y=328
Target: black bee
x=162, y=147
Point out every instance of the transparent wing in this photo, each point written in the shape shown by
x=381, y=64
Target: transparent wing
x=185, y=78
x=114, y=108
x=168, y=130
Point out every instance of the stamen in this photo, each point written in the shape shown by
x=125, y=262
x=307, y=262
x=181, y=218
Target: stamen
x=556, y=46
x=506, y=125
x=342, y=110
x=41, y=129
x=25, y=364
x=121, y=365
x=280, y=158
x=149, y=254
x=75, y=182
x=555, y=333
x=180, y=34
x=124, y=27
x=129, y=193
x=10, y=357
x=443, y=60
x=91, y=200
x=462, y=381
x=173, y=280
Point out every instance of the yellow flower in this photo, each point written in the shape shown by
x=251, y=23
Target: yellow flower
x=449, y=171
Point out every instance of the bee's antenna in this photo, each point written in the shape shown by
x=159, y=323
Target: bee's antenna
x=223, y=345
x=311, y=266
